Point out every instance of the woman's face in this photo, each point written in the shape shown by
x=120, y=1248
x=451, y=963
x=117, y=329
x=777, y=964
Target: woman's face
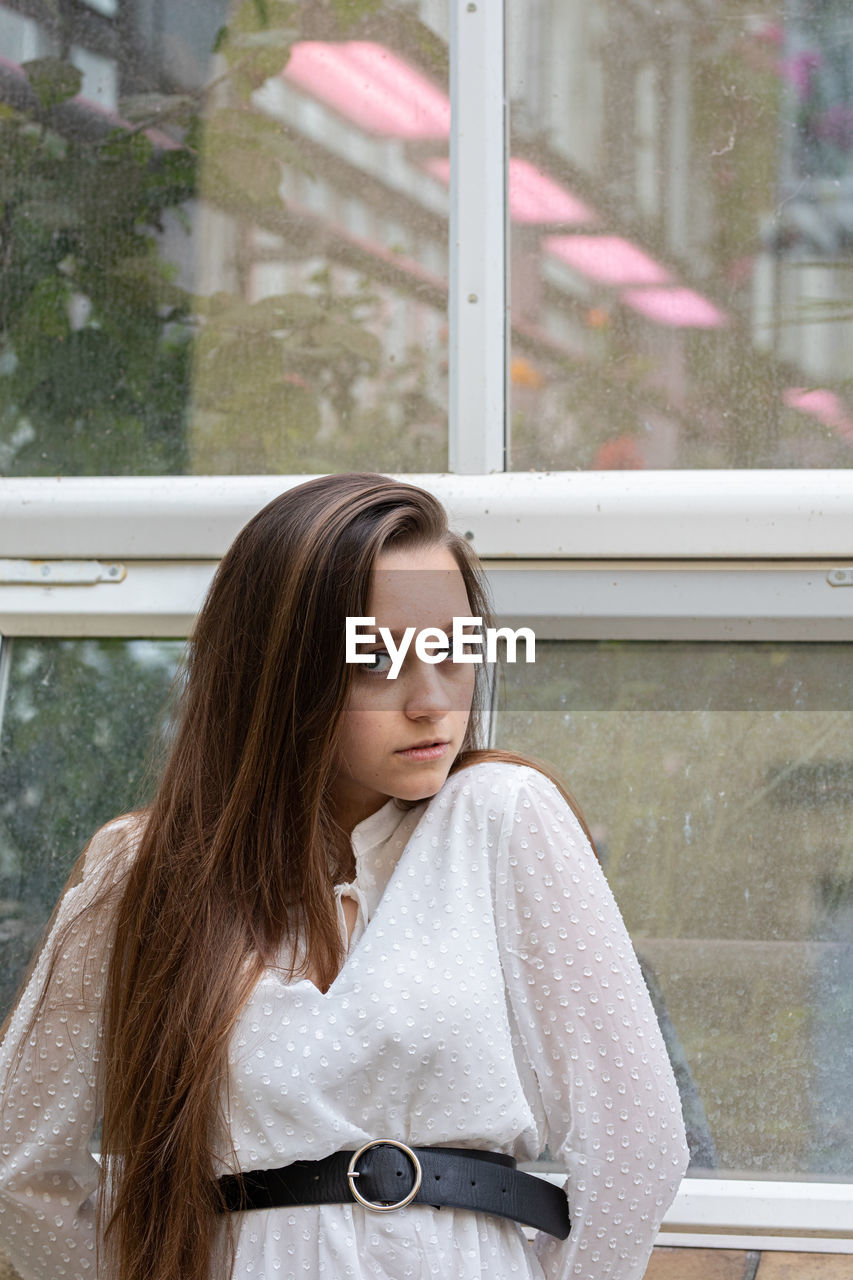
x=400, y=736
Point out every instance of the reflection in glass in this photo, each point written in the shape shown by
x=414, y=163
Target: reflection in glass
x=718, y=781
x=223, y=248
x=77, y=728
x=699, y=313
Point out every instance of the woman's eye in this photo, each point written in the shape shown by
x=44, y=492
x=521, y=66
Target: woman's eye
x=379, y=664
x=470, y=646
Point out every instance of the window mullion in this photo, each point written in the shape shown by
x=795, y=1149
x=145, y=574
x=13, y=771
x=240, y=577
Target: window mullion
x=478, y=238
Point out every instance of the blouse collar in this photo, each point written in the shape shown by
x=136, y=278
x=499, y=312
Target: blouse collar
x=379, y=827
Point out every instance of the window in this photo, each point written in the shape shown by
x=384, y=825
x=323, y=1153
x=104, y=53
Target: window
x=228, y=248
x=680, y=237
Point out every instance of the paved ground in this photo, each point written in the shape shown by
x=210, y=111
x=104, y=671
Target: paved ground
x=734, y=1264
x=715, y=1264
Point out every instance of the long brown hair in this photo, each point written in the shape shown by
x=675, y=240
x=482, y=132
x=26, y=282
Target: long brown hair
x=239, y=850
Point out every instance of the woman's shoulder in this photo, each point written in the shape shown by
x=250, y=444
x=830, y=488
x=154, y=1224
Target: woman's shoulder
x=110, y=850
x=496, y=770
x=503, y=778
x=509, y=784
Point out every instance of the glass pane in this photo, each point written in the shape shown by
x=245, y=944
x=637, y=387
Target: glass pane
x=80, y=722
x=224, y=249
x=681, y=204
x=717, y=781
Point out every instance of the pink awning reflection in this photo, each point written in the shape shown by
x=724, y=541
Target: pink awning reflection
x=678, y=307
x=822, y=404
x=608, y=259
x=371, y=86
x=533, y=196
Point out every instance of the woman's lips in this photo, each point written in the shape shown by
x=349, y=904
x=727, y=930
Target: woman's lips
x=433, y=752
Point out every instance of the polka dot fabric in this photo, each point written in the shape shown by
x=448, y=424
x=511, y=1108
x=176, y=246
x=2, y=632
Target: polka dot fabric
x=490, y=998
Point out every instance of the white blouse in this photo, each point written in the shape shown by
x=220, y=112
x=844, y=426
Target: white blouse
x=490, y=998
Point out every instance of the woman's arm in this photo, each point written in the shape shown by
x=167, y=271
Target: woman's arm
x=48, y=1071
x=589, y=1033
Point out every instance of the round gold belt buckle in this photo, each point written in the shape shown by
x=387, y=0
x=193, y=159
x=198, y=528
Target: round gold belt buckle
x=352, y=1174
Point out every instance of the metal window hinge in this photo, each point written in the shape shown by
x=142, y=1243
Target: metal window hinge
x=59, y=573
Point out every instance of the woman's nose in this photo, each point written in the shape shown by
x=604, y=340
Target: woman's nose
x=427, y=693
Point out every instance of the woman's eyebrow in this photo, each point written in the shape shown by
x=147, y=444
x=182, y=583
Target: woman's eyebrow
x=398, y=635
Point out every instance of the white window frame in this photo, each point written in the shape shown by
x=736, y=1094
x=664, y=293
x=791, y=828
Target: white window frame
x=689, y=555
x=643, y=555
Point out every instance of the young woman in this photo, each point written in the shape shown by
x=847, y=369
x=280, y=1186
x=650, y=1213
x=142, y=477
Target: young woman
x=344, y=970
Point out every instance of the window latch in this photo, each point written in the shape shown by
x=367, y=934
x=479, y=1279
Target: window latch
x=59, y=573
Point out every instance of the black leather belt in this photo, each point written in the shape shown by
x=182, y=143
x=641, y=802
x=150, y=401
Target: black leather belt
x=385, y=1174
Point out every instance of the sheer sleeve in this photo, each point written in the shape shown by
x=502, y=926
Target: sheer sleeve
x=588, y=1032
x=48, y=1113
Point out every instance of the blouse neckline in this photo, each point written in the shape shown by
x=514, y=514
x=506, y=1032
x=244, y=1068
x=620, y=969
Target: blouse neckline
x=378, y=827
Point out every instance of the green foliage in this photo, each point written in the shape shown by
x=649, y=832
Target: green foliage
x=53, y=80
x=349, y=11
x=94, y=336
x=256, y=45
x=244, y=152
x=276, y=385
x=77, y=731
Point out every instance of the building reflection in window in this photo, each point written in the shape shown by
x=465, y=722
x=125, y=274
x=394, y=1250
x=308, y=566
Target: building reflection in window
x=230, y=248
